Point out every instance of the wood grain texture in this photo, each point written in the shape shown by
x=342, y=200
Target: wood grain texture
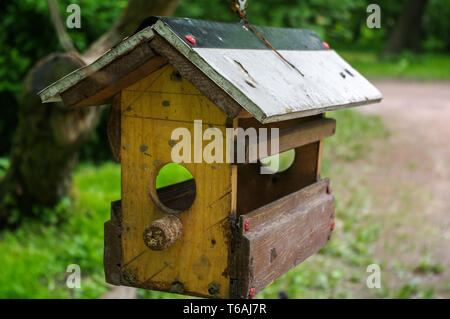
x=299, y=135
x=52, y=92
x=151, y=109
x=194, y=75
x=280, y=236
x=272, y=187
x=114, y=128
x=320, y=151
x=122, y=72
x=277, y=92
x=112, y=255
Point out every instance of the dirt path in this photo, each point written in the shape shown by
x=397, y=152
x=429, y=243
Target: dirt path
x=409, y=177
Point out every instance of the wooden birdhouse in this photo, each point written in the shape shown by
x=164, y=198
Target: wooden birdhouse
x=227, y=230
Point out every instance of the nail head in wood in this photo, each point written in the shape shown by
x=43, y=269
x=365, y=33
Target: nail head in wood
x=163, y=232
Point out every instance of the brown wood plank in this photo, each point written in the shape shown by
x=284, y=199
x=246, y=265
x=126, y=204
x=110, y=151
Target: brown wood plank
x=280, y=236
x=282, y=205
x=269, y=188
x=113, y=129
x=299, y=135
x=122, y=72
x=244, y=114
x=320, y=150
x=112, y=255
x=272, y=187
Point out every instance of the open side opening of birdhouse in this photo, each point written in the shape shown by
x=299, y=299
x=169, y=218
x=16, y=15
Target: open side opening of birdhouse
x=215, y=228
x=282, y=218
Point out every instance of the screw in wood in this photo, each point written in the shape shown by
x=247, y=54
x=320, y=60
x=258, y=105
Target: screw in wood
x=213, y=288
x=176, y=287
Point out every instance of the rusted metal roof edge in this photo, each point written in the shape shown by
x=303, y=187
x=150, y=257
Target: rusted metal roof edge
x=163, y=30
x=53, y=91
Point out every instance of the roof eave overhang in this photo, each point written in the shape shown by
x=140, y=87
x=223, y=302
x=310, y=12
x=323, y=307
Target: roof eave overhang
x=52, y=93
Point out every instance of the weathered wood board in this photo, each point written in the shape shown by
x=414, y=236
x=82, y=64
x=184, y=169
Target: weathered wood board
x=197, y=263
x=280, y=92
x=269, y=188
x=279, y=236
x=99, y=87
x=113, y=129
x=297, y=136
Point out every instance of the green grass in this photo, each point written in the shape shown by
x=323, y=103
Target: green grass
x=427, y=266
x=426, y=67
x=35, y=257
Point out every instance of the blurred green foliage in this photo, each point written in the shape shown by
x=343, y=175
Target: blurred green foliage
x=341, y=23
x=28, y=35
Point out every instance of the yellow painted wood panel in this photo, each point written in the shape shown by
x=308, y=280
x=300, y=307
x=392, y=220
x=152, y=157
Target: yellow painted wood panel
x=200, y=257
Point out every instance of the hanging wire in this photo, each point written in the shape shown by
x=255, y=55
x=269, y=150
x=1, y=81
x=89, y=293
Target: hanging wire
x=239, y=7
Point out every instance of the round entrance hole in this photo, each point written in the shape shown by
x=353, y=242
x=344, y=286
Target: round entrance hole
x=285, y=159
x=175, y=188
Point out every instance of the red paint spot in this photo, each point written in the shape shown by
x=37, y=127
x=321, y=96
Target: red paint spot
x=125, y=38
x=325, y=45
x=328, y=189
x=190, y=39
x=251, y=293
x=246, y=224
x=332, y=225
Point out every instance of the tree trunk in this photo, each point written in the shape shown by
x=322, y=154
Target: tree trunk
x=49, y=136
x=407, y=33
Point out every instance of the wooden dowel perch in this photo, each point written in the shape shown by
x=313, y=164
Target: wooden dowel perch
x=163, y=232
